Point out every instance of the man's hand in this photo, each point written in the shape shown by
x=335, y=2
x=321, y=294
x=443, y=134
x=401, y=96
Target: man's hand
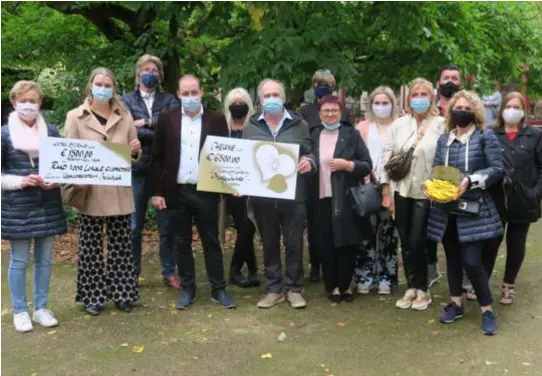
x=159, y=202
x=339, y=164
x=135, y=146
x=48, y=186
x=139, y=123
x=32, y=180
x=304, y=165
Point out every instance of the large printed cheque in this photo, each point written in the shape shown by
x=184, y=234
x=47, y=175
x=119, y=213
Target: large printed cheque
x=69, y=161
x=251, y=168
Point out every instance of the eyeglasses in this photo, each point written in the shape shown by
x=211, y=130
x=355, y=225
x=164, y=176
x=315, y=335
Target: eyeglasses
x=331, y=112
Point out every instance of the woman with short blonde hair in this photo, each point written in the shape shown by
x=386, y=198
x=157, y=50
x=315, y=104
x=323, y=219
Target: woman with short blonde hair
x=238, y=109
x=376, y=261
x=414, y=135
x=144, y=60
x=102, y=117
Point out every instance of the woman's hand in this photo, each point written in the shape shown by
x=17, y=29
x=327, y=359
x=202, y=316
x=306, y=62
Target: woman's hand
x=159, y=202
x=135, y=146
x=32, y=180
x=304, y=165
x=463, y=187
x=339, y=164
x=139, y=123
x=80, y=186
x=47, y=186
x=387, y=202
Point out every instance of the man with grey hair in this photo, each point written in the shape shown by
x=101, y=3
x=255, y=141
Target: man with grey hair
x=276, y=216
x=145, y=103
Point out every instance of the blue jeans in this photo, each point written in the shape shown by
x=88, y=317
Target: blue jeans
x=141, y=186
x=20, y=256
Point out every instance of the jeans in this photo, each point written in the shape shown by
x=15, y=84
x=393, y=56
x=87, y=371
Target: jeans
x=20, y=256
x=141, y=186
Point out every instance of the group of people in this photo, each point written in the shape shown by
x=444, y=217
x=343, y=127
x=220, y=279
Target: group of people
x=501, y=188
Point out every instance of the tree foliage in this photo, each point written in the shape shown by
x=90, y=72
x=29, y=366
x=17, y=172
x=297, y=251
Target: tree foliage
x=231, y=44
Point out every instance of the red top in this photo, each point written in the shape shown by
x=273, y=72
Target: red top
x=511, y=135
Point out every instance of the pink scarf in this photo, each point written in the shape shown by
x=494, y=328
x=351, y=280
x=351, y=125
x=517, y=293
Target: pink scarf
x=26, y=138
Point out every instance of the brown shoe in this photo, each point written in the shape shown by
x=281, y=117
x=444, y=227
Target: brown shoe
x=173, y=282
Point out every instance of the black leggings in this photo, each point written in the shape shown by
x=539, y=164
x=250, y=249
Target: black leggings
x=516, y=239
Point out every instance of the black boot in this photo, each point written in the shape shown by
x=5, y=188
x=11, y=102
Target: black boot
x=253, y=280
x=92, y=310
x=236, y=278
x=123, y=306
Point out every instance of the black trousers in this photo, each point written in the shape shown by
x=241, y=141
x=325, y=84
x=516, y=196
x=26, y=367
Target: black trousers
x=202, y=209
x=312, y=229
x=338, y=263
x=431, y=247
x=244, y=242
x=411, y=217
x=516, y=239
x=284, y=218
x=468, y=256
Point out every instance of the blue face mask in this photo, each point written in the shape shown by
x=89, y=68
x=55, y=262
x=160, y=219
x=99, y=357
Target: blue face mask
x=331, y=127
x=150, y=80
x=420, y=105
x=272, y=106
x=321, y=91
x=191, y=104
x=102, y=94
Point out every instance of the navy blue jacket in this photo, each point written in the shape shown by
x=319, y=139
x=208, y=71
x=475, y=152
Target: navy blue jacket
x=138, y=109
x=31, y=212
x=485, y=168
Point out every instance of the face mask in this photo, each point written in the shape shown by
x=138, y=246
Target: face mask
x=513, y=116
x=102, y=94
x=27, y=111
x=382, y=111
x=420, y=105
x=331, y=127
x=321, y=91
x=272, y=106
x=191, y=104
x=462, y=119
x=150, y=80
x=238, y=111
x=448, y=89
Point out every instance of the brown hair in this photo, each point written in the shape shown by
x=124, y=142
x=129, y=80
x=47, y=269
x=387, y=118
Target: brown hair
x=330, y=99
x=477, y=108
x=508, y=98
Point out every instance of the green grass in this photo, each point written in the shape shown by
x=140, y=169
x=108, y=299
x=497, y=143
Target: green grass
x=377, y=339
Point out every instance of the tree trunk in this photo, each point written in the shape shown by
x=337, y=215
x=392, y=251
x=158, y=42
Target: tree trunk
x=172, y=71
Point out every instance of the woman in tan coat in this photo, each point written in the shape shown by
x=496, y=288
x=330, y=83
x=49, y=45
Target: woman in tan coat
x=102, y=117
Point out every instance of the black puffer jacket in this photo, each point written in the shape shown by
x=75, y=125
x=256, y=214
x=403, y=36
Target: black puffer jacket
x=30, y=212
x=518, y=197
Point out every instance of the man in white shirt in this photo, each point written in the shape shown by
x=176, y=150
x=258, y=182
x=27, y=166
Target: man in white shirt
x=179, y=137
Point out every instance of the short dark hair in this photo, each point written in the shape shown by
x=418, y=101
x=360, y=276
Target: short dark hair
x=452, y=67
x=330, y=99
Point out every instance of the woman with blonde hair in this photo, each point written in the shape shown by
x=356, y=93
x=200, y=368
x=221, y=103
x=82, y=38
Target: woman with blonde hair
x=465, y=224
x=102, y=117
x=238, y=109
x=407, y=159
x=518, y=199
x=376, y=262
x=31, y=209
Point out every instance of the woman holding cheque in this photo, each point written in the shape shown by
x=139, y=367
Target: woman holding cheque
x=31, y=209
x=471, y=156
x=102, y=117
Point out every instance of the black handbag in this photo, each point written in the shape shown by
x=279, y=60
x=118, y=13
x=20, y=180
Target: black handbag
x=462, y=207
x=366, y=198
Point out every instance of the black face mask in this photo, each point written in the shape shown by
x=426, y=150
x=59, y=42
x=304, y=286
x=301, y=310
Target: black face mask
x=448, y=89
x=238, y=111
x=462, y=118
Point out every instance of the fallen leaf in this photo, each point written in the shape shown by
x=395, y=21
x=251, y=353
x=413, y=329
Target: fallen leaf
x=34, y=374
x=138, y=349
x=488, y=363
x=123, y=345
x=432, y=321
x=266, y=356
x=141, y=278
x=52, y=332
x=174, y=312
x=341, y=324
x=209, y=315
x=114, y=313
x=5, y=311
x=326, y=370
x=323, y=365
x=172, y=305
x=163, y=342
x=435, y=332
x=526, y=364
x=282, y=336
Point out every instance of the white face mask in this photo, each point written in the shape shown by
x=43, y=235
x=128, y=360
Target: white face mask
x=512, y=116
x=27, y=111
x=382, y=111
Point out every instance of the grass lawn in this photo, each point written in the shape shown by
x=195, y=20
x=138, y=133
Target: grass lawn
x=372, y=338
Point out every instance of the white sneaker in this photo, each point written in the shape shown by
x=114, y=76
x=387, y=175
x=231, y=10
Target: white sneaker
x=363, y=288
x=22, y=322
x=384, y=289
x=406, y=301
x=423, y=300
x=45, y=318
